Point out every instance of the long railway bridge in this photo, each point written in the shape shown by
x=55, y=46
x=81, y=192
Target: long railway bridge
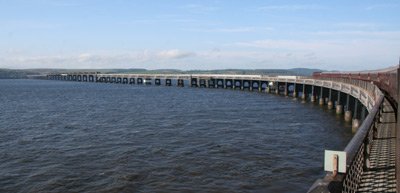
x=368, y=99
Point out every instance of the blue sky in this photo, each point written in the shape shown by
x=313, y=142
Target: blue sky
x=206, y=34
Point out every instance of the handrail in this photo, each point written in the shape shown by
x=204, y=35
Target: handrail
x=354, y=145
x=358, y=147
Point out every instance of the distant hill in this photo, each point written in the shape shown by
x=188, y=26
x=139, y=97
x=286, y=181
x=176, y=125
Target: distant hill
x=25, y=73
x=15, y=74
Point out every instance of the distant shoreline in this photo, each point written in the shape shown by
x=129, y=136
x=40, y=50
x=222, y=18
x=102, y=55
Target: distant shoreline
x=25, y=73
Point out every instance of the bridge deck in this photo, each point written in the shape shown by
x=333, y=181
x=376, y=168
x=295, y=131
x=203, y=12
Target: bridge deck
x=380, y=177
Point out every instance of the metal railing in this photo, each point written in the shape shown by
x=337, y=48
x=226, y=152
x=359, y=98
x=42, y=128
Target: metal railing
x=385, y=79
x=359, y=148
x=357, y=157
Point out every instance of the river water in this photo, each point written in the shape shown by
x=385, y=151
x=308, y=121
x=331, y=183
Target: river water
x=85, y=137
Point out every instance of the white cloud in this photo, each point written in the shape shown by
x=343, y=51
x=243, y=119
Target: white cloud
x=357, y=25
x=28, y=25
x=157, y=21
x=381, y=6
x=355, y=54
x=231, y=30
x=95, y=60
x=332, y=54
x=175, y=54
x=359, y=34
x=290, y=7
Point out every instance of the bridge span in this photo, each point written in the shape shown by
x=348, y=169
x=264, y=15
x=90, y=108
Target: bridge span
x=368, y=99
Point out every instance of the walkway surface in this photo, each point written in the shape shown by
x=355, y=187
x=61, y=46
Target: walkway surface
x=380, y=177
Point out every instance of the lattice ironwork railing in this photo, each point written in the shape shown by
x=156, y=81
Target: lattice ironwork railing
x=358, y=149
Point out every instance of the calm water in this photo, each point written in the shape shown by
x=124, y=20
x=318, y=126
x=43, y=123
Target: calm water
x=87, y=137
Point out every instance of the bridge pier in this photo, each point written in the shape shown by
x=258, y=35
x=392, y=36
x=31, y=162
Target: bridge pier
x=220, y=83
x=211, y=83
x=321, y=101
x=304, y=93
x=181, y=83
x=132, y=81
x=355, y=122
x=229, y=83
x=237, y=84
x=264, y=86
x=330, y=103
x=268, y=88
x=277, y=88
x=321, y=97
x=294, y=95
x=168, y=82
x=347, y=116
x=193, y=82
x=157, y=82
x=246, y=85
x=203, y=83
x=339, y=109
x=286, y=91
x=250, y=85
x=147, y=81
x=255, y=85
x=139, y=80
x=312, y=99
x=338, y=102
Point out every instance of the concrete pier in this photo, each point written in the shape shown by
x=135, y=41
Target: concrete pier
x=321, y=101
x=339, y=109
x=313, y=99
x=303, y=97
x=330, y=105
x=355, y=124
x=348, y=116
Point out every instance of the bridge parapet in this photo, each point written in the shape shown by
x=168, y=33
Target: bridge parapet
x=382, y=84
x=385, y=79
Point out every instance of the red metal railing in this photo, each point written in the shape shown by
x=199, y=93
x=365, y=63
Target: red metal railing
x=385, y=79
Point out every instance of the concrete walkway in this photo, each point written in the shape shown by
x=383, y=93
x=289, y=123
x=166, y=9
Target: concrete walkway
x=380, y=177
